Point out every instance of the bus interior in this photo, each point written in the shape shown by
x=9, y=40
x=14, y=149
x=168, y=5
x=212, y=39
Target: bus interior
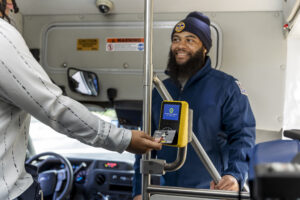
x=103, y=48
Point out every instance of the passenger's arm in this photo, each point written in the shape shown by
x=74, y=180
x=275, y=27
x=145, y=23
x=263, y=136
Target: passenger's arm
x=239, y=125
x=142, y=143
x=26, y=85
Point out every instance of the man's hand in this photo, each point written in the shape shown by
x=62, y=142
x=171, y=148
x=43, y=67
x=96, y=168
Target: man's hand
x=142, y=143
x=227, y=182
x=138, y=197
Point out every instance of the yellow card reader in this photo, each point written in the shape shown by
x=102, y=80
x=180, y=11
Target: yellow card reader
x=173, y=124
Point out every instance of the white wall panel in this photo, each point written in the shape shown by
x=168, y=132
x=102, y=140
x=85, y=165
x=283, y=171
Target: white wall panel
x=254, y=51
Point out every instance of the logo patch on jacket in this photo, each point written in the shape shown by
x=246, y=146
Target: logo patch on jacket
x=243, y=90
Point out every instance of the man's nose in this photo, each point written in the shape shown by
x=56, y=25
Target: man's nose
x=181, y=44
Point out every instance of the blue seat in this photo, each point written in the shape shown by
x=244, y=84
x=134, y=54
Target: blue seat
x=273, y=185
x=274, y=151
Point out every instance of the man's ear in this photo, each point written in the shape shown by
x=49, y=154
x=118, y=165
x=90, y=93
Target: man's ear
x=204, y=52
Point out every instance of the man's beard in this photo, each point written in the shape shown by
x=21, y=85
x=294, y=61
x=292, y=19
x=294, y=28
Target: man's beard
x=188, y=69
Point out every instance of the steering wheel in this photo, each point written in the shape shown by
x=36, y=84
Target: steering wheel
x=51, y=180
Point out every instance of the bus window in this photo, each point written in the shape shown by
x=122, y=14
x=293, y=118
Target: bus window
x=46, y=139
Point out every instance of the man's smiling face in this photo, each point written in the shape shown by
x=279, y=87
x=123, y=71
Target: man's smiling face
x=184, y=46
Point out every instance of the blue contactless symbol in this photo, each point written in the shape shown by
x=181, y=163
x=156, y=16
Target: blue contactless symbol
x=171, y=112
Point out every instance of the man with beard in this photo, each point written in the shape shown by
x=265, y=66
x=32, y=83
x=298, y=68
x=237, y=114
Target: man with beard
x=222, y=118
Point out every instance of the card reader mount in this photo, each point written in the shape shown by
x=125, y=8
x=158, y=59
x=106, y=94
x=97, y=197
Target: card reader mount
x=173, y=124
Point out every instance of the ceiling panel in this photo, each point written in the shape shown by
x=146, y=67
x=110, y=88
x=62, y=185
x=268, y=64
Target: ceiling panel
x=46, y=7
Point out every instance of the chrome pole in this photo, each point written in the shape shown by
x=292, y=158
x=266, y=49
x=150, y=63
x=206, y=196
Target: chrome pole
x=148, y=77
x=179, y=162
x=162, y=90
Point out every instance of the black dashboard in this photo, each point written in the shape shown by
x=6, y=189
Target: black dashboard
x=98, y=179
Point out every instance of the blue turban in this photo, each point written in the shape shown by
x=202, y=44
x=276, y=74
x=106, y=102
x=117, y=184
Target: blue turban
x=198, y=24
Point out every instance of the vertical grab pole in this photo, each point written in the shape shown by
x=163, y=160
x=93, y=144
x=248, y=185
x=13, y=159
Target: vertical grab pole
x=148, y=77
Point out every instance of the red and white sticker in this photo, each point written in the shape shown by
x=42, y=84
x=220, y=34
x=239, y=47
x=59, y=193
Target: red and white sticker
x=125, y=44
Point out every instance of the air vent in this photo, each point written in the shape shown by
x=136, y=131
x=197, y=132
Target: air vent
x=100, y=179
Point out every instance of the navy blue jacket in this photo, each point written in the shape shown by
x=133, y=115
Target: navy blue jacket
x=222, y=121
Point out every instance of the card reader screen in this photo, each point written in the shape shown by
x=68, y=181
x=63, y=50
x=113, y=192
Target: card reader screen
x=171, y=111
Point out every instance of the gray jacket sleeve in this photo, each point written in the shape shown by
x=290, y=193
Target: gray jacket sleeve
x=25, y=84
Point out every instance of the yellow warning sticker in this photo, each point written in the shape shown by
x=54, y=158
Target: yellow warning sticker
x=87, y=44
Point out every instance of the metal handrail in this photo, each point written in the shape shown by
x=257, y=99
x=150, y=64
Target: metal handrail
x=198, y=193
x=179, y=162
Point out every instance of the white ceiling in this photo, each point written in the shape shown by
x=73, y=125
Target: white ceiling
x=45, y=7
